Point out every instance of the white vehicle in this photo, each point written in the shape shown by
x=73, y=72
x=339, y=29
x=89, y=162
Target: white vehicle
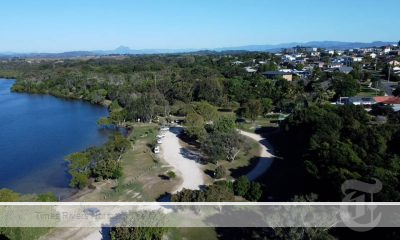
x=160, y=136
x=164, y=128
x=159, y=141
x=157, y=150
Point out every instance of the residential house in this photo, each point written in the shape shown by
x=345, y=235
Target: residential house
x=344, y=69
x=394, y=102
x=386, y=50
x=288, y=58
x=237, y=62
x=372, y=55
x=358, y=101
x=288, y=75
x=250, y=70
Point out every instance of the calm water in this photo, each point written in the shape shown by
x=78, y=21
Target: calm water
x=37, y=132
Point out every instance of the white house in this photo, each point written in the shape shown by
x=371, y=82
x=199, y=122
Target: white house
x=357, y=59
x=288, y=58
x=386, y=50
x=237, y=62
x=250, y=70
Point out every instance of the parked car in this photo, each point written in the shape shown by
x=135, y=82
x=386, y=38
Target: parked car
x=164, y=128
x=91, y=211
x=157, y=150
x=159, y=141
x=160, y=135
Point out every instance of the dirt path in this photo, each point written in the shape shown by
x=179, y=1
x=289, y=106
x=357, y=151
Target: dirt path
x=182, y=160
x=83, y=233
x=266, y=155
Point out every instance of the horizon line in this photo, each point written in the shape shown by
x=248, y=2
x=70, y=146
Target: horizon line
x=191, y=48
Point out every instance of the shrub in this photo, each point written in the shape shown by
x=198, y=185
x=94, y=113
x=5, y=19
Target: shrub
x=220, y=172
x=171, y=174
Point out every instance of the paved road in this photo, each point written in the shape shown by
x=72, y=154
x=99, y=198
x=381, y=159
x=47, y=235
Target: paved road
x=387, y=87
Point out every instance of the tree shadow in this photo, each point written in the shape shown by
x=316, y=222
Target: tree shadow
x=231, y=216
x=163, y=177
x=286, y=176
x=266, y=132
x=240, y=171
x=3, y=237
x=166, y=197
x=105, y=233
x=209, y=173
x=240, y=233
x=191, y=155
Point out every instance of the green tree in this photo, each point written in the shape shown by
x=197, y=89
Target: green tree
x=104, y=121
x=220, y=172
x=220, y=145
x=206, y=110
x=254, y=192
x=47, y=197
x=79, y=162
x=345, y=86
x=195, y=126
x=171, y=174
x=7, y=195
x=241, y=186
x=267, y=105
x=300, y=67
x=224, y=124
x=150, y=226
x=79, y=180
x=253, y=108
x=219, y=192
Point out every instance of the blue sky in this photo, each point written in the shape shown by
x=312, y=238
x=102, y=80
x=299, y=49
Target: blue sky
x=55, y=25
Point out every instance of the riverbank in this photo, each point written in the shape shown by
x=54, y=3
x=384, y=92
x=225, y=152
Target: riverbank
x=38, y=131
x=143, y=173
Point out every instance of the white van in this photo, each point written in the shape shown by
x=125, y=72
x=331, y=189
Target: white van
x=157, y=149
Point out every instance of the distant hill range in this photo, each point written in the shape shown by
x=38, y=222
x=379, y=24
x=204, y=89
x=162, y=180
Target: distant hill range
x=122, y=50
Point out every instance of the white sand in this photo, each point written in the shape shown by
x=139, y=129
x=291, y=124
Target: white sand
x=182, y=160
x=266, y=156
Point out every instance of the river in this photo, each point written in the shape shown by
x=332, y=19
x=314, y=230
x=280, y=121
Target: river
x=37, y=132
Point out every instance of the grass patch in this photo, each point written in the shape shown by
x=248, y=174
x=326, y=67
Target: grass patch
x=250, y=126
x=244, y=162
x=142, y=169
x=192, y=233
x=23, y=233
x=368, y=92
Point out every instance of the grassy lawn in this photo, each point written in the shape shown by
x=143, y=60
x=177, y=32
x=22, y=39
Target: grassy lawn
x=368, y=92
x=250, y=126
x=246, y=159
x=192, y=233
x=142, y=171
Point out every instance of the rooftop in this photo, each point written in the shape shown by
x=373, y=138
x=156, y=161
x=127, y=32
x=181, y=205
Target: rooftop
x=387, y=100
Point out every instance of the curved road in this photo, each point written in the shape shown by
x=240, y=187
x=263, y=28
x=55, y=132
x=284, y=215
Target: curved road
x=266, y=155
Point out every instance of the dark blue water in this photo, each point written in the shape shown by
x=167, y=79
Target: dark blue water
x=37, y=132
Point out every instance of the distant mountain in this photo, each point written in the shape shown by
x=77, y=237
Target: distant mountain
x=123, y=50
